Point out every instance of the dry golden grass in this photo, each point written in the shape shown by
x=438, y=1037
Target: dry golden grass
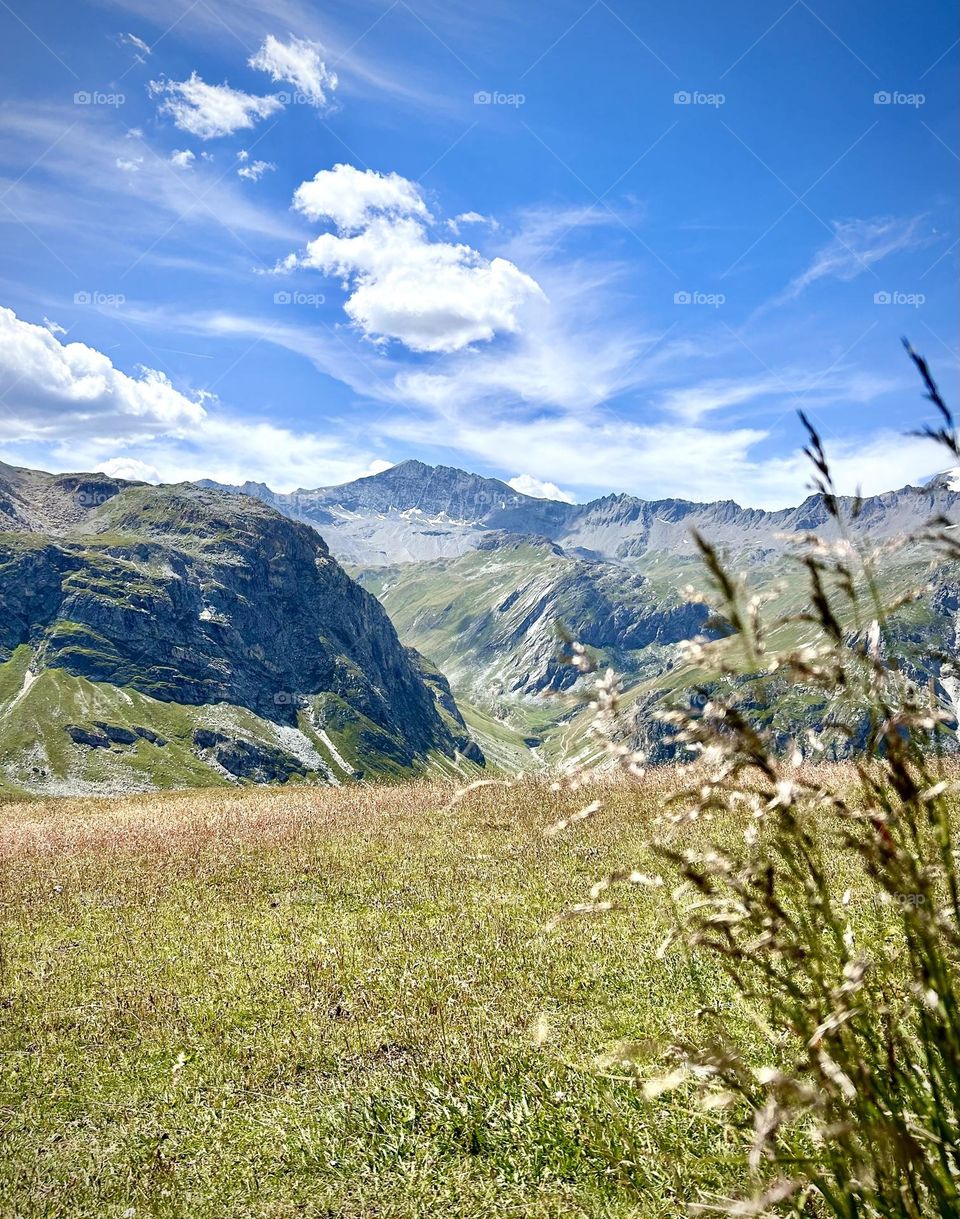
x=275, y=1002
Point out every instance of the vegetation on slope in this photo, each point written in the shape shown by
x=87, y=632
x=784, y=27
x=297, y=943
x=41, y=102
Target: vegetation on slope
x=319, y=1002
x=223, y=635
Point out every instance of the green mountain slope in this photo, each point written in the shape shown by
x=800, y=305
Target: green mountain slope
x=489, y=619
x=163, y=636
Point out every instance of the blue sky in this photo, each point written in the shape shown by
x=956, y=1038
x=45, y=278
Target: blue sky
x=584, y=245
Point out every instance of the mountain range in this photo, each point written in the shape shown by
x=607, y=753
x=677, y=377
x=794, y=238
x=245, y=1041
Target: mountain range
x=407, y=622
x=478, y=577
x=413, y=512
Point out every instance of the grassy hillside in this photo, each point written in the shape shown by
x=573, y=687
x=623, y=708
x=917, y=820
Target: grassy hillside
x=315, y=1002
x=143, y=744
x=489, y=620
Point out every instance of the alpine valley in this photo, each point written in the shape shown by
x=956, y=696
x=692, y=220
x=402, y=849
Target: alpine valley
x=406, y=623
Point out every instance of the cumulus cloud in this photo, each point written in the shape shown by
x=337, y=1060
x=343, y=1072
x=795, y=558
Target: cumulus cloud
x=49, y=387
x=297, y=62
x=378, y=466
x=255, y=170
x=208, y=111
x=129, y=165
x=433, y=296
x=182, y=158
x=350, y=198
x=526, y=484
x=65, y=406
x=131, y=468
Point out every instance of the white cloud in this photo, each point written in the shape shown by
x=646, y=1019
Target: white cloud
x=372, y=66
x=182, y=158
x=856, y=246
x=49, y=388
x=77, y=193
x=378, y=466
x=66, y=407
x=129, y=165
x=298, y=63
x=691, y=403
x=139, y=46
x=526, y=484
x=54, y=327
x=350, y=198
x=130, y=468
x=255, y=171
x=665, y=461
x=225, y=447
x=431, y=295
x=470, y=218
x=208, y=111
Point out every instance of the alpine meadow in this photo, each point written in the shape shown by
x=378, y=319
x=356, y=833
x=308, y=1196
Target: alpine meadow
x=479, y=610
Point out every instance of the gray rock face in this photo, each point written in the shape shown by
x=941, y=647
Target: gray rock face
x=491, y=617
x=103, y=736
x=196, y=597
x=415, y=511
x=246, y=760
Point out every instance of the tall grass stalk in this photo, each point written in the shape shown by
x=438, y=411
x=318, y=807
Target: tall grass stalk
x=845, y=1090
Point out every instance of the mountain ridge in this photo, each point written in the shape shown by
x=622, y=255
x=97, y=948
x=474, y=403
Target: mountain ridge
x=414, y=512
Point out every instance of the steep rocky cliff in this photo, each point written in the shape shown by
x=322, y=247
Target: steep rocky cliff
x=211, y=604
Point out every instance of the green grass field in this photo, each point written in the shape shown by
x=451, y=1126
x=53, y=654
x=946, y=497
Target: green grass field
x=344, y=1003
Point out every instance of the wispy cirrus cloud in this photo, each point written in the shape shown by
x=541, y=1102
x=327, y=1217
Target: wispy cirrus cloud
x=140, y=48
x=856, y=246
x=77, y=189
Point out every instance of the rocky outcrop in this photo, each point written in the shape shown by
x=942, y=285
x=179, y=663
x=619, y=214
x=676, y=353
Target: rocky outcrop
x=493, y=618
x=195, y=597
x=247, y=760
